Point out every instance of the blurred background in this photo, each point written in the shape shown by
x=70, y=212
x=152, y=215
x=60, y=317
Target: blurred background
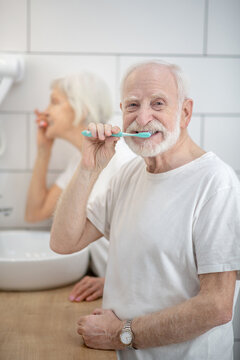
x=60, y=37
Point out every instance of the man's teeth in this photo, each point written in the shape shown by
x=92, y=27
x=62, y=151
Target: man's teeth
x=150, y=131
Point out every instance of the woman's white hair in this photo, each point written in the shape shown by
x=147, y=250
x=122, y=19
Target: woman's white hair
x=88, y=95
x=180, y=77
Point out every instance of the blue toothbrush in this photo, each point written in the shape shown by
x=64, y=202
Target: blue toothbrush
x=120, y=134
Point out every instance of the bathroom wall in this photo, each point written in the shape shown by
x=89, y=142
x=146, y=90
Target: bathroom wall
x=59, y=37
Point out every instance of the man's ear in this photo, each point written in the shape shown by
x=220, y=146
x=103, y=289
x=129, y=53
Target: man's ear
x=120, y=105
x=186, y=113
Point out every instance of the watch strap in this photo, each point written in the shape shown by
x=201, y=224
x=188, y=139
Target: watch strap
x=127, y=327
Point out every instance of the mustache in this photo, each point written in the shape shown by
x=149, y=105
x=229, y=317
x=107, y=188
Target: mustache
x=153, y=125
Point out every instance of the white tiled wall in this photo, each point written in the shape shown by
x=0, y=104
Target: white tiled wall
x=13, y=25
x=224, y=27
x=223, y=130
x=58, y=37
x=105, y=26
x=13, y=138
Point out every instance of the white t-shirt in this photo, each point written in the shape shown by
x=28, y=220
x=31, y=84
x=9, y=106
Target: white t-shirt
x=164, y=230
x=99, y=249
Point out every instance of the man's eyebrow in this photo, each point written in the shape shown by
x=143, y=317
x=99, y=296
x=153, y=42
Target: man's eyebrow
x=130, y=98
x=159, y=95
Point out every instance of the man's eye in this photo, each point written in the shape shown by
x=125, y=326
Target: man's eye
x=158, y=103
x=131, y=106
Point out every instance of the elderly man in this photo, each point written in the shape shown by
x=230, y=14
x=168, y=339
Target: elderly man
x=172, y=218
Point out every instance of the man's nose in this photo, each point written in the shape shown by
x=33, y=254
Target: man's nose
x=144, y=115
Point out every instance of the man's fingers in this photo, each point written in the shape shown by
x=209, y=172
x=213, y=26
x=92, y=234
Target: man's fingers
x=101, y=131
x=98, y=311
x=80, y=320
x=92, y=127
x=108, y=130
x=115, y=129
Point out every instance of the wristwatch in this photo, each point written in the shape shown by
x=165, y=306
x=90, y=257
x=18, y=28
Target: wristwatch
x=126, y=335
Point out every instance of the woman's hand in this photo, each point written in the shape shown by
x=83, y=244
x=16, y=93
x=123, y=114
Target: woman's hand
x=42, y=121
x=99, y=149
x=89, y=288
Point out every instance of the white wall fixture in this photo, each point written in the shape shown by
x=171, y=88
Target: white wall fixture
x=2, y=142
x=11, y=71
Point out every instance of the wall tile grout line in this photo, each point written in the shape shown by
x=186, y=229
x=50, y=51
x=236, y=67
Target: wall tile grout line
x=28, y=26
x=24, y=227
x=27, y=171
x=217, y=114
x=79, y=53
x=117, y=112
x=28, y=142
x=117, y=77
x=202, y=128
x=205, y=28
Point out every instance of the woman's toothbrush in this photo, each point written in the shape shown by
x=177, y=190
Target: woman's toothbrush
x=120, y=134
x=43, y=124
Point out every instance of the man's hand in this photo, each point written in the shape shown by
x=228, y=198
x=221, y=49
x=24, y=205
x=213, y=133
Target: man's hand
x=101, y=330
x=89, y=288
x=98, y=150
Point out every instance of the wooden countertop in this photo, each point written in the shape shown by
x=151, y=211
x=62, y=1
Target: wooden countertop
x=42, y=325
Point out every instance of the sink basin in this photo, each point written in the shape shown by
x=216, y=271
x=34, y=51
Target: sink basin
x=27, y=262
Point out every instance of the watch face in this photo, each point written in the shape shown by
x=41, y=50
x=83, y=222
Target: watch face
x=126, y=337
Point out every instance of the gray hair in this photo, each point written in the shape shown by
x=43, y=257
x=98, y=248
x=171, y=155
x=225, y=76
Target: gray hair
x=87, y=94
x=180, y=77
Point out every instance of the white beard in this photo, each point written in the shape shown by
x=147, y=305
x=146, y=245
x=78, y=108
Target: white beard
x=147, y=149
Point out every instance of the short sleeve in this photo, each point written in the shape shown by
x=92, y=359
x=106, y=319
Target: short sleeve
x=216, y=233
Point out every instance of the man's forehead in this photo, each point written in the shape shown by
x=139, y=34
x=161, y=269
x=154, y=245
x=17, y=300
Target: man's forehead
x=157, y=80
x=152, y=96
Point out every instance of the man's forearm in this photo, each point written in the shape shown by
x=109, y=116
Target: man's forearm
x=180, y=323
x=70, y=216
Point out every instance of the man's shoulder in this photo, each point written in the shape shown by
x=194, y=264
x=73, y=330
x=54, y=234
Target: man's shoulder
x=217, y=172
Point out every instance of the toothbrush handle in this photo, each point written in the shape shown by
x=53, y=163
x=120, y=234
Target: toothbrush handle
x=120, y=134
x=88, y=133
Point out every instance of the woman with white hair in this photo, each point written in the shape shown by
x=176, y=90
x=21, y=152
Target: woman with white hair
x=75, y=101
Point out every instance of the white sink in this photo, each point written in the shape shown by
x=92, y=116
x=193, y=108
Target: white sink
x=27, y=262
